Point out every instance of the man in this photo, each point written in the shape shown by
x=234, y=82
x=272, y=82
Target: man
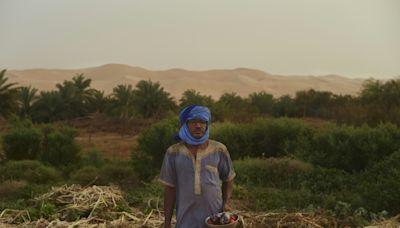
x=197, y=172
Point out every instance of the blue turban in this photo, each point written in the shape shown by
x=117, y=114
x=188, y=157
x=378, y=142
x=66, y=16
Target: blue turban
x=189, y=113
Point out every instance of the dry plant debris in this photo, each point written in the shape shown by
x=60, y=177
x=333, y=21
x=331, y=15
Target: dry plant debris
x=98, y=202
x=14, y=216
x=286, y=220
x=76, y=198
x=389, y=223
x=100, y=205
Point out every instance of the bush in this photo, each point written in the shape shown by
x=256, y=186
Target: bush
x=21, y=197
x=277, y=183
x=267, y=199
x=93, y=158
x=272, y=172
x=59, y=146
x=153, y=142
x=350, y=149
x=237, y=138
x=22, y=143
x=29, y=171
x=380, y=188
x=86, y=175
x=277, y=137
x=261, y=138
x=328, y=186
x=324, y=181
x=119, y=173
x=146, y=195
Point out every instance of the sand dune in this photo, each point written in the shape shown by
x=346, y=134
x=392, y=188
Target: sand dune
x=242, y=81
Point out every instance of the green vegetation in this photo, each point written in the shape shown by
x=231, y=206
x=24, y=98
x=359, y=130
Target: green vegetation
x=191, y=96
x=115, y=172
x=290, y=185
x=22, y=143
x=376, y=103
x=59, y=147
x=380, y=185
x=314, y=151
x=8, y=95
x=30, y=171
x=55, y=146
x=350, y=148
x=262, y=137
x=284, y=163
x=271, y=172
x=153, y=142
x=26, y=96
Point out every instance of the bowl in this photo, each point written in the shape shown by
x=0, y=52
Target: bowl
x=229, y=225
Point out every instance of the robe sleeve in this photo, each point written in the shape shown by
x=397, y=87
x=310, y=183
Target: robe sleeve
x=168, y=172
x=225, y=167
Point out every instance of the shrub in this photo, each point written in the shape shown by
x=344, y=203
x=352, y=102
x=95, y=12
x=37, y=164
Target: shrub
x=380, y=186
x=237, y=138
x=261, y=138
x=29, y=171
x=271, y=172
x=21, y=197
x=59, y=146
x=120, y=173
x=350, y=149
x=17, y=122
x=328, y=186
x=94, y=158
x=266, y=199
x=277, y=183
x=22, y=143
x=145, y=195
x=86, y=175
x=277, y=137
x=324, y=181
x=152, y=145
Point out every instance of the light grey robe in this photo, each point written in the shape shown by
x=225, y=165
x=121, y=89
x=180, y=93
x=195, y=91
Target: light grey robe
x=197, y=181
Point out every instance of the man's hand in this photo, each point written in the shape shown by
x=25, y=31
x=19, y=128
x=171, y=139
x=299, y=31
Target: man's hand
x=227, y=188
x=169, y=204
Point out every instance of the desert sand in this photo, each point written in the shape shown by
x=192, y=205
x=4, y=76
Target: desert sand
x=242, y=81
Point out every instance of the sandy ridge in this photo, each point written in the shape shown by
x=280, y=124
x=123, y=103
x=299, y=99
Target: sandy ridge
x=242, y=81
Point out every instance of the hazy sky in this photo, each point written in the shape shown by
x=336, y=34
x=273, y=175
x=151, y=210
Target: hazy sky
x=353, y=38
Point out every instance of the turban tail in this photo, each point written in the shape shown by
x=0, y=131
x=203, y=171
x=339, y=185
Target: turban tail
x=190, y=113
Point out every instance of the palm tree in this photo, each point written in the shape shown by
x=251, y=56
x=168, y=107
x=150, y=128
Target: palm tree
x=8, y=96
x=76, y=95
x=122, y=101
x=67, y=92
x=151, y=99
x=192, y=97
x=97, y=102
x=122, y=104
x=49, y=107
x=83, y=92
x=27, y=96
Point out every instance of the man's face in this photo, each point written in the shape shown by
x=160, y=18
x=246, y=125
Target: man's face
x=197, y=128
